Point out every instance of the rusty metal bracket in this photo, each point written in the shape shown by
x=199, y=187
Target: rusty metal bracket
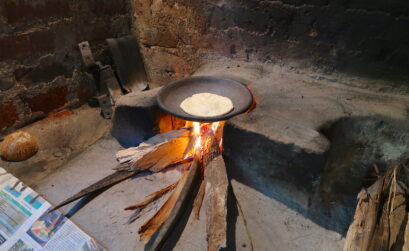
x=108, y=88
x=105, y=102
x=86, y=54
x=109, y=81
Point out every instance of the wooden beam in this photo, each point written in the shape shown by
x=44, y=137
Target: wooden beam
x=158, y=228
x=197, y=203
x=216, y=203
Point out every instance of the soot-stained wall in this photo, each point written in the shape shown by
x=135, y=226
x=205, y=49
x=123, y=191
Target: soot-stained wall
x=364, y=37
x=40, y=64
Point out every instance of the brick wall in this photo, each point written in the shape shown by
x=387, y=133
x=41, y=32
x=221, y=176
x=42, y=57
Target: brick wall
x=40, y=64
x=363, y=37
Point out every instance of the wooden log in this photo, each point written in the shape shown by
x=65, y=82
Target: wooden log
x=190, y=149
x=361, y=230
x=197, y=203
x=406, y=237
x=380, y=220
x=104, y=183
x=142, y=207
x=388, y=232
x=166, y=122
x=157, y=155
x=152, y=197
x=164, y=155
x=129, y=157
x=211, y=148
x=158, y=228
x=216, y=203
x=164, y=137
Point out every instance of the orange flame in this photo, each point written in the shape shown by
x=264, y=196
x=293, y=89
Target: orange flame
x=199, y=129
x=214, y=126
x=197, y=132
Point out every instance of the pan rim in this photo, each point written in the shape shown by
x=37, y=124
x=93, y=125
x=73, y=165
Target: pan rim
x=189, y=117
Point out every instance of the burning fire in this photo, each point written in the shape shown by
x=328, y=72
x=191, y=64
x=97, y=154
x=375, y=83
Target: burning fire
x=199, y=129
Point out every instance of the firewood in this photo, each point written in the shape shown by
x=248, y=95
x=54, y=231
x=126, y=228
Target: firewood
x=216, y=203
x=142, y=207
x=380, y=221
x=162, y=223
x=388, y=232
x=406, y=238
x=361, y=230
x=190, y=149
x=166, y=122
x=130, y=156
x=164, y=137
x=104, y=183
x=152, y=197
x=211, y=148
x=197, y=203
x=172, y=208
x=138, y=213
x=166, y=154
x=153, y=141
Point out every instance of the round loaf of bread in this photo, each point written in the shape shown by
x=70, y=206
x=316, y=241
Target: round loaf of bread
x=18, y=146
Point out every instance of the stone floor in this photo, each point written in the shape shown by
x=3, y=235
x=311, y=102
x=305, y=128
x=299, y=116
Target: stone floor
x=272, y=225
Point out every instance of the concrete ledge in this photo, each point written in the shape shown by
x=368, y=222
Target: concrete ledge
x=134, y=117
x=279, y=148
x=61, y=137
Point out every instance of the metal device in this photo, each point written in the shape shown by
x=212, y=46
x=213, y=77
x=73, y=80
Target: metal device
x=128, y=63
x=171, y=96
x=129, y=68
x=108, y=87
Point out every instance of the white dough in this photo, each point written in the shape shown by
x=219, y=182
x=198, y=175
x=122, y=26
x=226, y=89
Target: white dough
x=206, y=105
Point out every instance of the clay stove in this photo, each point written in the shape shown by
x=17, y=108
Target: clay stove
x=192, y=150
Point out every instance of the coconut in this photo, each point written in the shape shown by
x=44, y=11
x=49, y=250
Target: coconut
x=18, y=146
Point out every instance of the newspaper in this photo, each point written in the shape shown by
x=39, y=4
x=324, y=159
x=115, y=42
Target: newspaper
x=26, y=225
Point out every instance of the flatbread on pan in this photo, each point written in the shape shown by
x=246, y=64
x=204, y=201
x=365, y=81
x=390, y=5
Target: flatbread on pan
x=207, y=105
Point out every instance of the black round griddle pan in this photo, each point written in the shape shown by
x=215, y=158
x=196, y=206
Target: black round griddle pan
x=171, y=96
